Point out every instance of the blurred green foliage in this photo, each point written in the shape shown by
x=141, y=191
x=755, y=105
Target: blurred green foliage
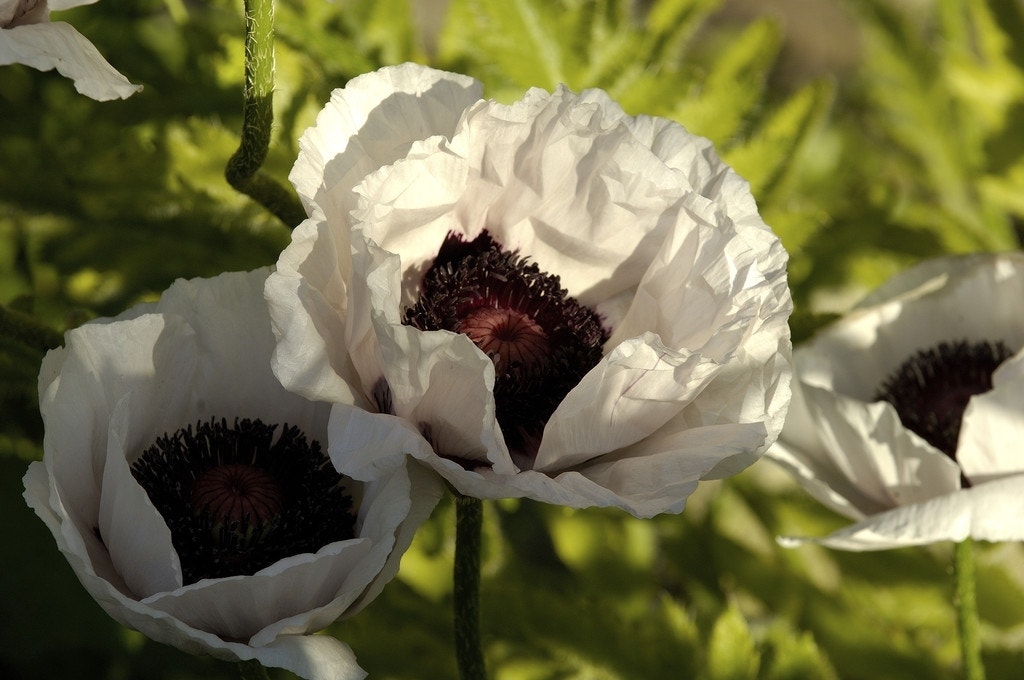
x=916, y=152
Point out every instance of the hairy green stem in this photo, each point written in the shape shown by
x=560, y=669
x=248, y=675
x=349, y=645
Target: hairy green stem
x=468, y=524
x=243, y=169
x=252, y=670
x=967, y=610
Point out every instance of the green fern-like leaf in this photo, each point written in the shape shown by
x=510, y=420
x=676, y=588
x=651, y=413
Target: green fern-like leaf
x=734, y=86
x=765, y=157
x=732, y=653
x=939, y=101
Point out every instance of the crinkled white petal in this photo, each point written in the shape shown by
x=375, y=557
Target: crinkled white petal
x=439, y=381
x=425, y=491
x=651, y=477
x=887, y=463
x=564, y=208
x=442, y=382
x=711, y=178
x=372, y=122
x=566, y=186
x=318, y=657
x=635, y=390
x=639, y=220
x=704, y=292
x=360, y=429
x=133, y=531
x=203, y=350
x=234, y=334
x=366, y=436
x=993, y=426
x=987, y=512
x=802, y=453
x=307, y=295
x=57, y=45
x=77, y=407
x=701, y=281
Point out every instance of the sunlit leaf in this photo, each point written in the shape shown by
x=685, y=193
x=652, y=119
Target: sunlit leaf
x=732, y=654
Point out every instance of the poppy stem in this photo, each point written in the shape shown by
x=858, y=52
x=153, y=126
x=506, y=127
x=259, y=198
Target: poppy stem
x=967, y=610
x=468, y=524
x=243, y=169
x=252, y=670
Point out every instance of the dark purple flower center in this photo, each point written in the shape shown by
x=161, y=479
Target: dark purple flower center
x=931, y=389
x=541, y=341
x=237, y=499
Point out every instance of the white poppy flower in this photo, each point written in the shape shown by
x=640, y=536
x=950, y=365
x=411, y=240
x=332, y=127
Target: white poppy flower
x=27, y=36
x=571, y=304
x=219, y=555
x=907, y=413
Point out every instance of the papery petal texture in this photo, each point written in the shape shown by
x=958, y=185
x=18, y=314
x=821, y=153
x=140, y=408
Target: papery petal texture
x=852, y=452
x=27, y=36
x=203, y=351
x=639, y=220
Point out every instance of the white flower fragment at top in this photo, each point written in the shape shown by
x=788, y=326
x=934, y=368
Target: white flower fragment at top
x=199, y=502
x=27, y=36
x=571, y=304
x=908, y=413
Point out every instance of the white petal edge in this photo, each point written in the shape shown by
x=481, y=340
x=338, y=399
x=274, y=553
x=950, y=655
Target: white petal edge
x=360, y=428
x=987, y=512
x=308, y=301
x=632, y=392
x=137, y=537
x=57, y=5
x=993, y=426
x=867, y=445
x=652, y=477
x=372, y=122
x=801, y=451
x=857, y=353
x=57, y=45
x=567, y=185
x=439, y=381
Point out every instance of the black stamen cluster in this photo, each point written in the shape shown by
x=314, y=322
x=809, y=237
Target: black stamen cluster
x=931, y=389
x=313, y=508
x=468, y=277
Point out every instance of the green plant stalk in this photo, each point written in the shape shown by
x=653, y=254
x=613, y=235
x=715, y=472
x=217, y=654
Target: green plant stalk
x=466, y=587
x=252, y=670
x=967, y=610
x=243, y=169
